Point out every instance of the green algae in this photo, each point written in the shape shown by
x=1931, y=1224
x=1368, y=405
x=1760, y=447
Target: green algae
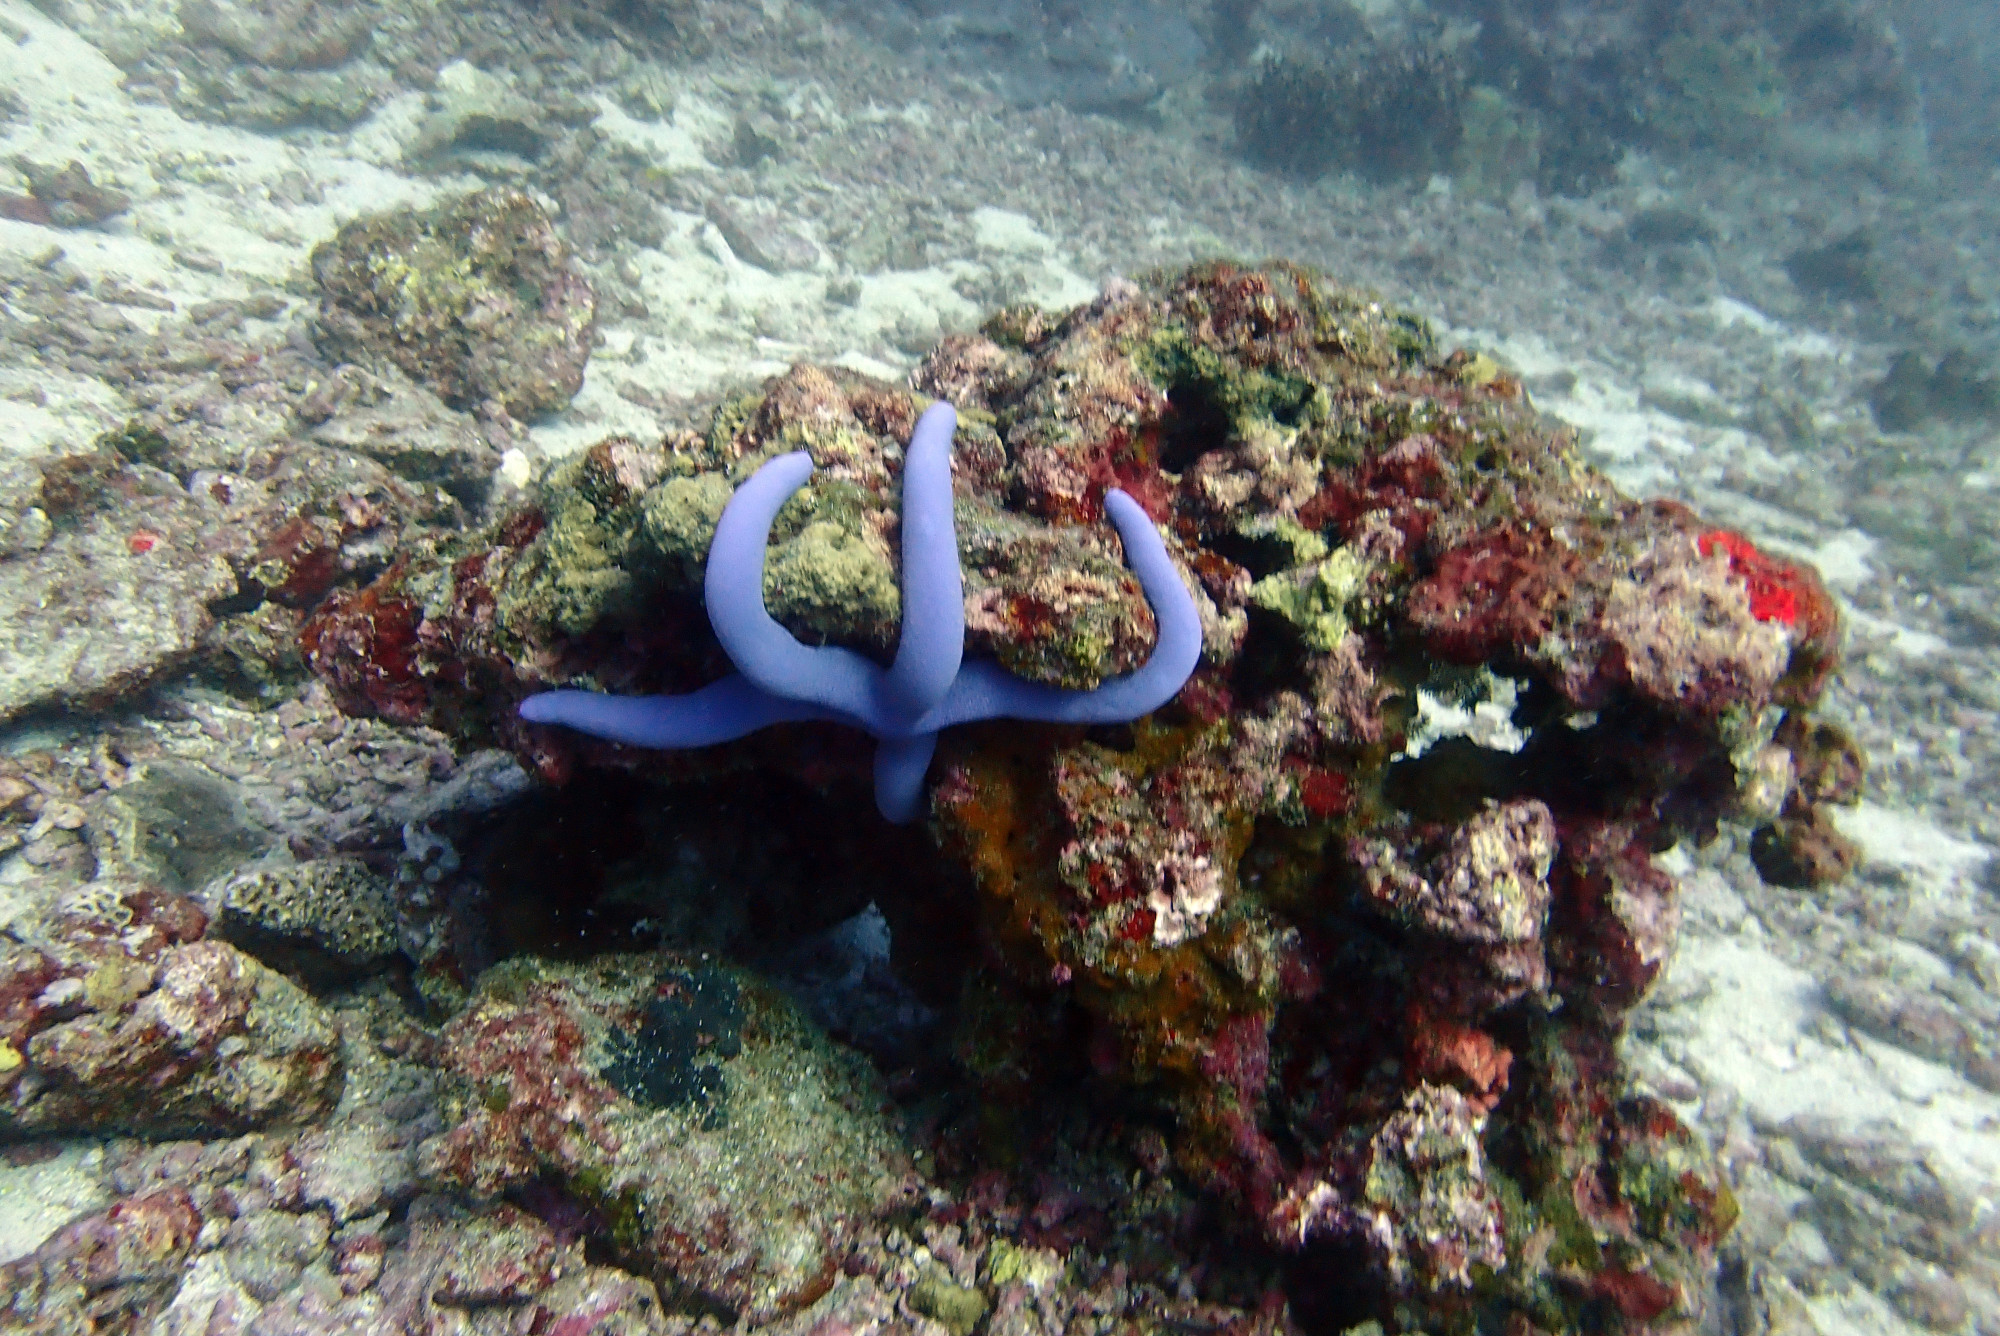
x=958, y=1308
x=1171, y=355
x=678, y=519
x=1318, y=600
x=571, y=576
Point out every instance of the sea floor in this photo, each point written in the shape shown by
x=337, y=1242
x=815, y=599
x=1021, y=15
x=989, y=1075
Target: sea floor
x=1860, y=1123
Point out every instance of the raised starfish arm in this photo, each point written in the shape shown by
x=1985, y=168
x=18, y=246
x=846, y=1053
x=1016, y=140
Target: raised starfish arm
x=933, y=633
x=933, y=636
x=733, y=589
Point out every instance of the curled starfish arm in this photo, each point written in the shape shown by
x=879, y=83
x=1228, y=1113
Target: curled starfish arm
x=929, y=687
x=733, y=588
x=985, y=690
x=722, y=711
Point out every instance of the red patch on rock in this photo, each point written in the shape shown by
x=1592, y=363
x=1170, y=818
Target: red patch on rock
x=1503, y=590
x=1443, y=1050
x=308, y=561
x=1637, y=1296
x=1325, y=794
x=1776, y=587
x=364, y=644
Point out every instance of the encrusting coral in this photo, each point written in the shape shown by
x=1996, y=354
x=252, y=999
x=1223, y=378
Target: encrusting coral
x=1374, y=987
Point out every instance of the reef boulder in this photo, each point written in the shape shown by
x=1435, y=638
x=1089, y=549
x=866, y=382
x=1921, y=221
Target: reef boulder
x=478, y=299
x=125, y=1017
x=690, y=1113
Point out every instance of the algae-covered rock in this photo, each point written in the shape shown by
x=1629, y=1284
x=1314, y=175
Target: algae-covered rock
x=478, y=299
x=731, y=1151
x=404, y=427
x=128, y=1019
x=1316, y=599
x=107, y=571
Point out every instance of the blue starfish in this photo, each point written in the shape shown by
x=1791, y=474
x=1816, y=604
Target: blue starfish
x=928, y=687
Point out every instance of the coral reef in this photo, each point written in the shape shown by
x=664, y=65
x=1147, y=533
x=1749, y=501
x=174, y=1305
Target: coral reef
x=1388, y=111
x=477, y=299
x=1386, y=543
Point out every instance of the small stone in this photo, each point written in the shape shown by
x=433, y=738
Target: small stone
x=760, y=237
x=1932, y=1296
x=1803, y=850
x=70, y=198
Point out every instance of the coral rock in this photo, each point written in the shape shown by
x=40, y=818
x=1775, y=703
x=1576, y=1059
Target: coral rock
x=730, y=1153
x=1327, y=949
x=129, y=1021
x=1488, y=884
x=477, y=298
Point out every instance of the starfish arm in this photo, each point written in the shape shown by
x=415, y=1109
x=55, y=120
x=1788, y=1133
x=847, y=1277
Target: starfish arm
x=719, y=712
x=933, y=636
x=733, y=589
x=900, y=764
x=985, y=690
